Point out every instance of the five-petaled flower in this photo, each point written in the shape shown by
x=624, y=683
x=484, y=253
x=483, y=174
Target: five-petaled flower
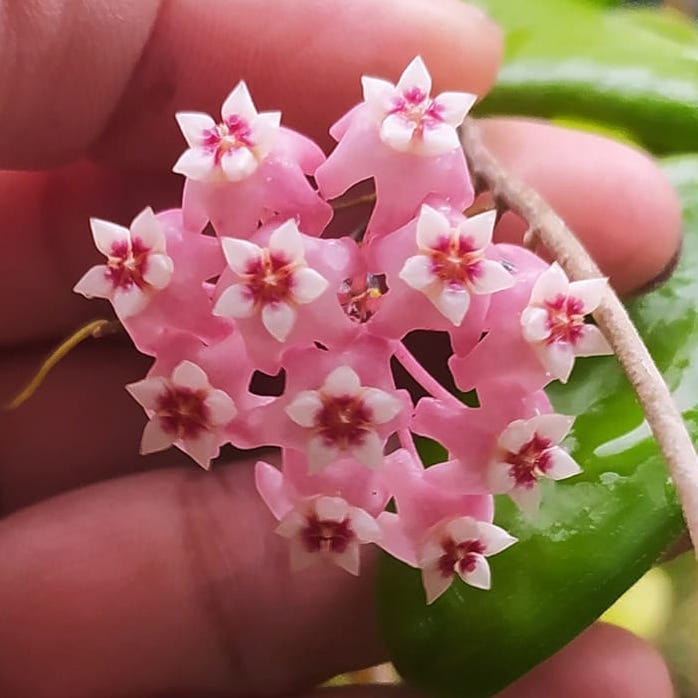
x=459, y=546
x=526, y=451
x=232, y=149
x=184, y=410
x=342, y=416
x=553, y=321
x=274, y=280
x=410, y=121
x=327, y=528
x=451, y=262
x=137, y=264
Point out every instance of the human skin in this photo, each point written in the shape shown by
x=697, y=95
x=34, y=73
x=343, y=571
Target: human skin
x=148, y=577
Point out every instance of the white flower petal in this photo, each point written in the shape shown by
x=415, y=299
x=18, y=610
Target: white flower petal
x=129, y=301
x=148, y=229
x=148, y=391
x=479, y=229
x=562, y=465
x=415, y=75
x=550, y=284
x=369, y=451
x=431, y=552
x=239, y=103
x=590, y=292
x=499, y=478
x=494, y=538
x=397, y=132
x=438, y=139
x=331, y=509
x=479, y=577
x=241, y=254
x=203, y=448
x=535, y=324
x=417, y=272
x=558, y=360
x=158, y=271
x=349, y=559
x=238, y=164
x=304, y=408
x=434, y=582
x=291, y=524
x=433, y=228
x=196, y=164
x=491, y=277
x=221, y=407
x=96, y=283
x=516, y=434
x=365, y=527
x=108, y=236
x=342, y=381
x=462, y=529
x=527, y=499
x=452, y=302
x=300, y=557
x=553, y=427
x=308, y=285
x=320, y=454
x=155, y=438
x=279, y=319
x=236, y=301
x=382, y=404
x=265, y=129
x=287, y=241
x=378, y=94
x=592, y=343
x=454, y=106
x=188, y=375
x=193, y=125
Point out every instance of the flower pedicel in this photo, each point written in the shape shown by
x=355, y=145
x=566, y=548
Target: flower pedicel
x=270, y=293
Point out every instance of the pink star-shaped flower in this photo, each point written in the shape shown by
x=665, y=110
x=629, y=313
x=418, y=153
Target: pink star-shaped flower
x=343, y=417
x=553, y=321
x=184, y=410
x=232, y=149
x=410, y=121
x=273, y=281
x=526, y=451
x=451, y=263
x=137, y=264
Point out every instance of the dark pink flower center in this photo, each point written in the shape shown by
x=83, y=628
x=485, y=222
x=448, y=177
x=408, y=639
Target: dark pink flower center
x=343, y=421
x=531, y=460
x=414, y=105
x=270, y=278
x=183, y=412
x=127, y=263
x=565, y=319
x=459, y=557
x=456, y=261
x=320, y=535
x=233, y=133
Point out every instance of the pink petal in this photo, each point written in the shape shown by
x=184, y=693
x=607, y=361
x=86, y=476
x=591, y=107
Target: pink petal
x=397, y=132
x=196, y=164
x=452, y=303
x=279, y=319
x=240, y=254
x=239, y=164
x=553, y=427
x=95, y=283
x=236, y=301
x=516, y=434
x=369, y=451
x=562, y=465
x=106, y=235
x=304, y=408
x=435, y=583
x=479, y=229
x=415, y=75
x=308, y=285
x=592, y=343
x=494, y=538
x=193, y=125
x=342, y=381
x=383, y=405
x=147, y=392
x=480, y=576
x=331, y=509
x=287, y=241
x=239, y=102
x=417, y=272
x=378, y=95
x=148, y=229
x=432, y=228
x=534, y=324
x=129, y=301
x=348, y=560
x=394, y=540
x=364, y=526
x=551, y=283
x=270, y=485
x=491, y=277
x=221, y=407
x=321, y=454
x=188, y=375
x=455, y=105
x=158, y=271
x=590, y=292
x=527, y=499
x=155, y=438
x=203, y=448
x=438, y=139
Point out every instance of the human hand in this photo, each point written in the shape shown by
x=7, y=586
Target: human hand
x=170, y=582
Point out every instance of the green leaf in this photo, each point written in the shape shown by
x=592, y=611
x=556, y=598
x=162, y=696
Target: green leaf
x=635, y=70
x=595, y=535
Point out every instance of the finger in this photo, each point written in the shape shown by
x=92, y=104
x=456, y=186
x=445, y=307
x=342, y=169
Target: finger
x=145, y=59
x=170, y=582
x=603, y=662
x=614, y=197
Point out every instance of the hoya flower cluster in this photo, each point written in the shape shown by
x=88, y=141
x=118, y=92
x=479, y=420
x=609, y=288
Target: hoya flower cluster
x=244, y=279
